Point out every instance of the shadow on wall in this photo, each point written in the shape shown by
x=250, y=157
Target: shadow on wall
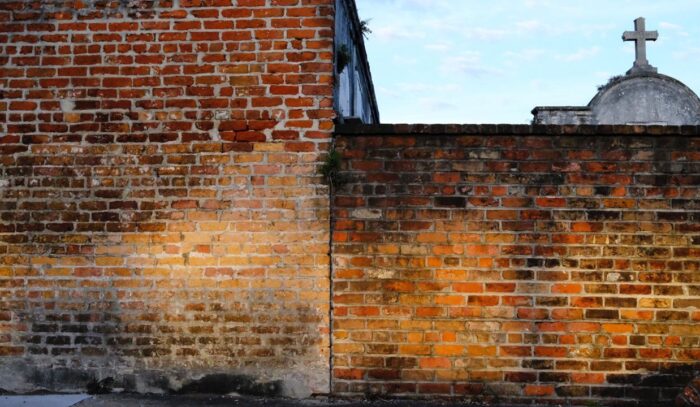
x=557, y=269
x=207, y=350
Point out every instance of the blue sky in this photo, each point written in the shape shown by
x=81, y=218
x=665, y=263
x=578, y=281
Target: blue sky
x=479, y=61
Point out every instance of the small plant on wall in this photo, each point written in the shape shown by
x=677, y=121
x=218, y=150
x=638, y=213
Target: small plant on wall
x=331, y=169
x=343, y=58
x=364, y=28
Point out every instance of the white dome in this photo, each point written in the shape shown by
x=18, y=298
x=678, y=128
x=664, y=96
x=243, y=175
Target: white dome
x=645, y=98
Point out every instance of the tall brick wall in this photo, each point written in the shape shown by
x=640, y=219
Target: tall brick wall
x=161, y=217
x=558, y=264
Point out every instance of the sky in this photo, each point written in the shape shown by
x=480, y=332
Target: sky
x=493, y=61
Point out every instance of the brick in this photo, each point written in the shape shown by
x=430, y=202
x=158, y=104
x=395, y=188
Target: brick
x=537, y=266
x=434, y=363
x=449, y=350
x=123, y=185
x=538, y=390
x=471, y=238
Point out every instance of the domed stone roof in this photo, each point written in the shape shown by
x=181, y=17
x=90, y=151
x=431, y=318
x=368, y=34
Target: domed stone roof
x=642, y=96
x=645, y=98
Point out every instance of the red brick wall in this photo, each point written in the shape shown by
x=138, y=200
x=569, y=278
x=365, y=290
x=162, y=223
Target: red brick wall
x=160, y=211
x=491, y=263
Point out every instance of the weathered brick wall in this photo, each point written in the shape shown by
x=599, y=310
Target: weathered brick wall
x=508, y=263
x=161, y=216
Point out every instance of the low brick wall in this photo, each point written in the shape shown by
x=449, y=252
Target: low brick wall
x=517, y=263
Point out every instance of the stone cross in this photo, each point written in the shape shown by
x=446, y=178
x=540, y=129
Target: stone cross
x=640, y=36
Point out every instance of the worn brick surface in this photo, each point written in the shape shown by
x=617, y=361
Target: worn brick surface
x=690, y=397
x=160, y=210
x=557, y=268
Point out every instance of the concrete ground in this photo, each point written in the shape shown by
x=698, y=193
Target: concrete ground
x=44, y=400
x=140, y=400
x=214, y=400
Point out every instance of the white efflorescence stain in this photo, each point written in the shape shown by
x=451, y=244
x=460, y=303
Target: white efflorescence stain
x=67, y=105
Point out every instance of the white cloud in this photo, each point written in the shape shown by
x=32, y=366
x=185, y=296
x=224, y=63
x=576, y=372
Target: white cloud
x=485, y=34
x=396, y=32
x=580, y=55
x=414, y=87
x=691, y=53
x=537, y=85
x=429, y=4
x=537, y=52
x=468, y=63
x=528, y=25
x=439, y=46
x=389, y=92
x=455, y=26
x=404, y=60
x=524, y=55
x=535, y=3
x=669, y=26
x=674, y=28
x=437, y=104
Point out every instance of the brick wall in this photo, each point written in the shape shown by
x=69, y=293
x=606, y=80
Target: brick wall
x=518, y=263
x=161, y=217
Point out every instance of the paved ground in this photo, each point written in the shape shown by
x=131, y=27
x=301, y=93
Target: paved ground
x=48, y=400
x=138, y=400
x=125, y=400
